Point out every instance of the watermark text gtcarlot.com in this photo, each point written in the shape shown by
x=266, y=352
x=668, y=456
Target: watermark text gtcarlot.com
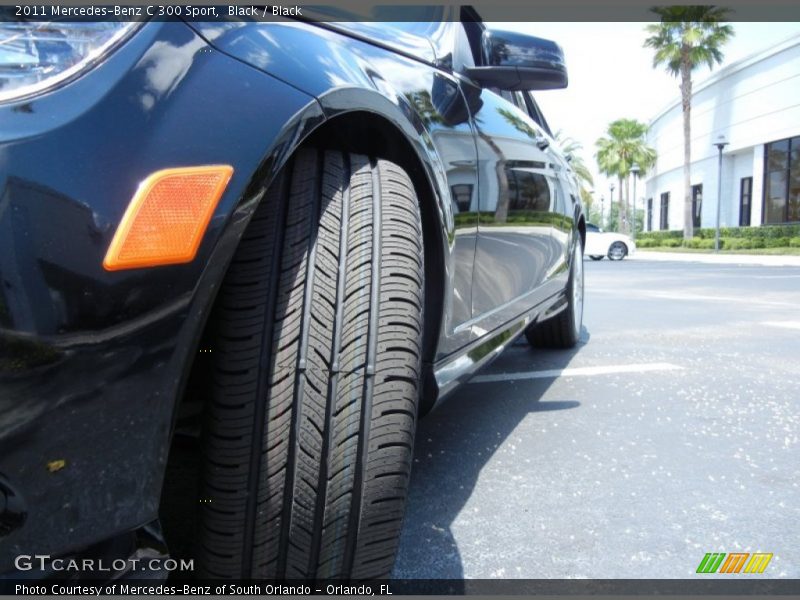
x=44, y=562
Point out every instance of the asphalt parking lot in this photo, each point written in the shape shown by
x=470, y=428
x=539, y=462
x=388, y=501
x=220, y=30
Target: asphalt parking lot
x=670, y=432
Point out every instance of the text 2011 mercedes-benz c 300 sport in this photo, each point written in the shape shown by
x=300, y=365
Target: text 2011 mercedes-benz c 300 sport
x=298, y=235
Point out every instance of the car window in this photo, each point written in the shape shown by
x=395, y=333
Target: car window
x=535, y=112
x=524, y=101
x=519, y=100
x=512, y=97
x=463, y=53
x=473, y=28
x=590, y=227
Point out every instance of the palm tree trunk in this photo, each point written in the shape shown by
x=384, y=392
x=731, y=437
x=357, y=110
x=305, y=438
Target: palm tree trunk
x=501, y=209
x=628, y=205
x=686, y=102
x=621, y=212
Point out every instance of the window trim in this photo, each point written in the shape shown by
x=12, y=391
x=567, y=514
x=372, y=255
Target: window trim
x=749, y=202
x=697, y=214
x=535, y=112
x=765, y=183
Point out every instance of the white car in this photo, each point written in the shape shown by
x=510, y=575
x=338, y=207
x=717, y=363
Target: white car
x=599, y=243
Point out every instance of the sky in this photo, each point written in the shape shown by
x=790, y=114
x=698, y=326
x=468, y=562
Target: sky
x=611, y=76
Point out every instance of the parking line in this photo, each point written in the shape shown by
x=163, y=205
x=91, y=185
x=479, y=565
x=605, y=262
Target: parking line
x=783, y=324
x=576, y=372
x=728, y=299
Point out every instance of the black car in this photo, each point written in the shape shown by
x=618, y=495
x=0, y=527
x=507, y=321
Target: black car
x=300, y=235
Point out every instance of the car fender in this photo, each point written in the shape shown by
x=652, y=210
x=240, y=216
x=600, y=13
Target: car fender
x=348, y=74
x=100, y=357
x=344, y=74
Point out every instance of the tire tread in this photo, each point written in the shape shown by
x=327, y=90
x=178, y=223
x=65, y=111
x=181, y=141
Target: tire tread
x=309, y=432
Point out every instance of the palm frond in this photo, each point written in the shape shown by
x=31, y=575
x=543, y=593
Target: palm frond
x=688, y=33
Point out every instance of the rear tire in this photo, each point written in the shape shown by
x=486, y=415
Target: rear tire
x=309, y=433
x=596, y=257
x=564, y=329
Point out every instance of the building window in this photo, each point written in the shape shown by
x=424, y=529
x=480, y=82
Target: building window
x=697, y=204
x=745, y=200
x=782, y=181
x=649, y=214
x=664, y=224
x=462, y=196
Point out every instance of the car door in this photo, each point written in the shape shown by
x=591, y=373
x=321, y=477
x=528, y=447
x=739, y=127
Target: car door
x=516, y=251
x=567, y=205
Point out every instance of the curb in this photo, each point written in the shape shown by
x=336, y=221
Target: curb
x=765, y=260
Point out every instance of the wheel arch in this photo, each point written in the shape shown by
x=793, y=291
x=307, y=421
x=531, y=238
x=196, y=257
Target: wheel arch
x=372, y=132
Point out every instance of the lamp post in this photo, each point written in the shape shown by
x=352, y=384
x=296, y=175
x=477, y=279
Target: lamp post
x=720, y=144
x=635, y=170
x=611, y=201
x=602, y=212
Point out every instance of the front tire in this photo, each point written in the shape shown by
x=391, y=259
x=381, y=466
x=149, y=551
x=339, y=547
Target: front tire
x=564, y=329
x=617, y=251
x=596, y=257
x=309, y=432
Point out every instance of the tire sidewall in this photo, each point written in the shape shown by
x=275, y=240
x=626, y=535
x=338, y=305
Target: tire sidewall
x=576, y=279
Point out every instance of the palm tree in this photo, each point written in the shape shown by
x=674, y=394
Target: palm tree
x=573, y=149
x=623, y=147
x=687, y=37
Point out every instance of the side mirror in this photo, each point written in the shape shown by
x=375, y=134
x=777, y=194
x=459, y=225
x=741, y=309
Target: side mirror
x=515, y=61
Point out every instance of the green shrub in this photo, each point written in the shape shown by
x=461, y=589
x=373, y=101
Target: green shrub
x=709, y=244
x=736, y=244
x=702, y=244
x=731, y=238
x=660, y=236
x=760, y=232
x=748, y=243
x=776, y=242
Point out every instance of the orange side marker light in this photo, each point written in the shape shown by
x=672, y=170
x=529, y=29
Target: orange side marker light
x=167, y=217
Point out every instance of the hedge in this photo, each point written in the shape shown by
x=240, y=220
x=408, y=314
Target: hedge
x=659, y=236
x=731, y=238
x=765, y=232
x=701, y=243
x=726, y=243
